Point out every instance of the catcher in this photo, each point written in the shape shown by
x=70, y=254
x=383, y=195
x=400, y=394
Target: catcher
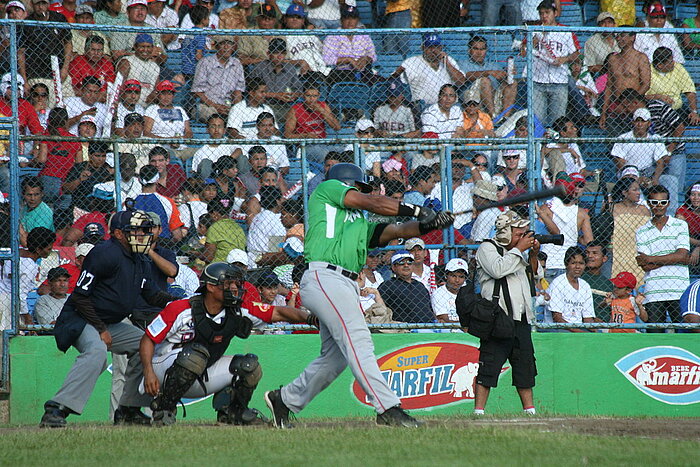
x=183, y=351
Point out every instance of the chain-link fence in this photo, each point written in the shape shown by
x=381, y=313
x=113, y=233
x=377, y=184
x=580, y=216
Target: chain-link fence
x=224, y=134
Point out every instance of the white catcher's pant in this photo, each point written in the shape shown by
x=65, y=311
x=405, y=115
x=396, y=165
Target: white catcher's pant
x=218, y=374
x=345, y=340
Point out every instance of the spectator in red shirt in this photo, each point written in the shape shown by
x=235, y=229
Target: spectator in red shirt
x=66, y=8
x=57, y=158
x=93, y=63
x=171, y=176
x=102, y=204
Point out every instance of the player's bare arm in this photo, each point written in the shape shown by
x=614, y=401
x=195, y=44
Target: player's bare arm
x=146, y=350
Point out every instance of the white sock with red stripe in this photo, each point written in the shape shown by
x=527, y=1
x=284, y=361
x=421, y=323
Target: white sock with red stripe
x=529, y=410
x=478, y=411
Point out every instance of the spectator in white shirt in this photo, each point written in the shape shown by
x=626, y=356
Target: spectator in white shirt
x=443, y=299
x=276, y=153
x=444, y=118
x=266, y=230
x=427, y=73
x=571, y=298
x=208, y=154
x=162, y=16
x=49, y=306
x=86, y=105
x=244, y=115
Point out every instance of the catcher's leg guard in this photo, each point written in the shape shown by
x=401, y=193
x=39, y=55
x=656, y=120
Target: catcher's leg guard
x=190, y=364
x=231, y=403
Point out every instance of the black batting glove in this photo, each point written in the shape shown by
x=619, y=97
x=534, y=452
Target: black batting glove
x=439, y=221
x=421, y=213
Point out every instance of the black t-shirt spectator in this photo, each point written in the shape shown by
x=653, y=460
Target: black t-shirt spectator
x=441, y=14
x=40, y=43
x=410, y=301
x=80, y=195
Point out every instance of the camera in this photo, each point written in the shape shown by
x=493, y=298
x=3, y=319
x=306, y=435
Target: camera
x=553, y=239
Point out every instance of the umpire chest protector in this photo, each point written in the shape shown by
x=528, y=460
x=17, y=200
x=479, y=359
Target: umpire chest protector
x=215, y=337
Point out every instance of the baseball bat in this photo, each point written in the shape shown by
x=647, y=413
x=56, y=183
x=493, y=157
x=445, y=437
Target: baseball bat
x=558, y=191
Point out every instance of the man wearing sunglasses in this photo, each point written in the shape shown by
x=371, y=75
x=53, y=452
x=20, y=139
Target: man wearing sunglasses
x=662, y=246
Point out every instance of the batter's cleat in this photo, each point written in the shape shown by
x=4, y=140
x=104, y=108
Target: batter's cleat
x=163, y=417
x=280, y=412
x=396, y=416
x=130, y=416
x=54, y=415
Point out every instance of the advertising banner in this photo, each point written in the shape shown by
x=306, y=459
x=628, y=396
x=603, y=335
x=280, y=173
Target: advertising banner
x=433, y=374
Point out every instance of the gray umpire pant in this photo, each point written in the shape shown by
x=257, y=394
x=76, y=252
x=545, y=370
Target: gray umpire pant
x=345, y=340
x=92, y=361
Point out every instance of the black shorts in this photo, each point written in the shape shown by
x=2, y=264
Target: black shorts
x=518, y=350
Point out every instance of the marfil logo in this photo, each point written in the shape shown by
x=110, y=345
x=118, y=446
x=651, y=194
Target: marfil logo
x=429, y=375
x=667, y=374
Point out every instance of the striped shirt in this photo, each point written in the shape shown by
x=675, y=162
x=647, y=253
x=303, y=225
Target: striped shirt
x=664, y=120
x=670, y=281
x=336, y=47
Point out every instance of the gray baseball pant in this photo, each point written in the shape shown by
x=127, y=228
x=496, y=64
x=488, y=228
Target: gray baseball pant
x=345, y=340
x=92, y=361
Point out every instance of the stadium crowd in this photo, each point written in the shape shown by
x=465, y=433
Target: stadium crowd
x=627, y=261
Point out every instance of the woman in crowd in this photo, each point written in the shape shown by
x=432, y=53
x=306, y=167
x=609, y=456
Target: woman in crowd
x=39, y=98
x=110, y=12
x=628, y=216
x=444, y=118
x=690, y=212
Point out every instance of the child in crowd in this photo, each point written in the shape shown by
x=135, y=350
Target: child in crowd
x=624, y=308
x=193, y=47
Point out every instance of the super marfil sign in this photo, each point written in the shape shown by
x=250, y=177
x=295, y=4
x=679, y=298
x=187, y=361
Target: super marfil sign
x=429, y=375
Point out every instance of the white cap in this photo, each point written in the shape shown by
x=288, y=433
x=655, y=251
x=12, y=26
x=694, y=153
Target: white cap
x=630, y=170
x=15, y=3
x=237, y=256
x=498, y=180
x=642, y=113
x=399, y=255
x=88, y=119
x=411, y=243
x=457, y=264
x=131, y=3
x=83, y=249
x=364, y=124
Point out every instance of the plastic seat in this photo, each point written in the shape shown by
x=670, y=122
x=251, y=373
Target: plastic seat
x=346, y=95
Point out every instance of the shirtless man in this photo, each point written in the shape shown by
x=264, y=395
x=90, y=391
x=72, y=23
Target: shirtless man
x=627, y=69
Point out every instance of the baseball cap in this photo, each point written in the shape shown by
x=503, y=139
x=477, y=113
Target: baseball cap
x=457, y=264
x=576, y=177
x=486, y=190
x=642, y=113
x=349, y=11
x=237, y=256
x=143, y=38
x=39, y=1
x=431, y=40
x=602, y=16
x=624, y=279
x=131, y=3
x=103, y=191
x=411, y=243
x=84, y=10
x=94, y=229
x=567, y=182
x=399, y=255
x=629, y=170
x=268, y=280
x=165, y=85
x=510, y=219
x=132, y=85
x=219, y=38
x=16, y=4
x=430, y=135
x=148, y=175
x=294, y=247
x=267, y=10
x=547, y=5
x=87, y=119
x=295, y=10
x=155, y=218
x=498, y=180
x=657, y=9
x=83, y=249
x=55, y=273
x=364, y=124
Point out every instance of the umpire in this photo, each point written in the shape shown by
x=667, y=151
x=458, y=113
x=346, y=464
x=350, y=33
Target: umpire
x=114, y=273
x=504, y=258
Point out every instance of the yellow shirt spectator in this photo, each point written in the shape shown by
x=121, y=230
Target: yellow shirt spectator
x=671, y=85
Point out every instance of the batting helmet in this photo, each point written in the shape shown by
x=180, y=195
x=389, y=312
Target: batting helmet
x=351, y=175
x=218, y=274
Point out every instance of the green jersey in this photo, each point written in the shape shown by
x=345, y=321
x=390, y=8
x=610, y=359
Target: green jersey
x=337, y=235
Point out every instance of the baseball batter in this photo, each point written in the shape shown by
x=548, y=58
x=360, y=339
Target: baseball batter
x=336, y=246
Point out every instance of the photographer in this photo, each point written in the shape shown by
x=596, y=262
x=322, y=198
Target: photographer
x=503, y=257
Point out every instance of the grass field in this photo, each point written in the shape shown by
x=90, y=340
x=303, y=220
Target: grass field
x=444, y=441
